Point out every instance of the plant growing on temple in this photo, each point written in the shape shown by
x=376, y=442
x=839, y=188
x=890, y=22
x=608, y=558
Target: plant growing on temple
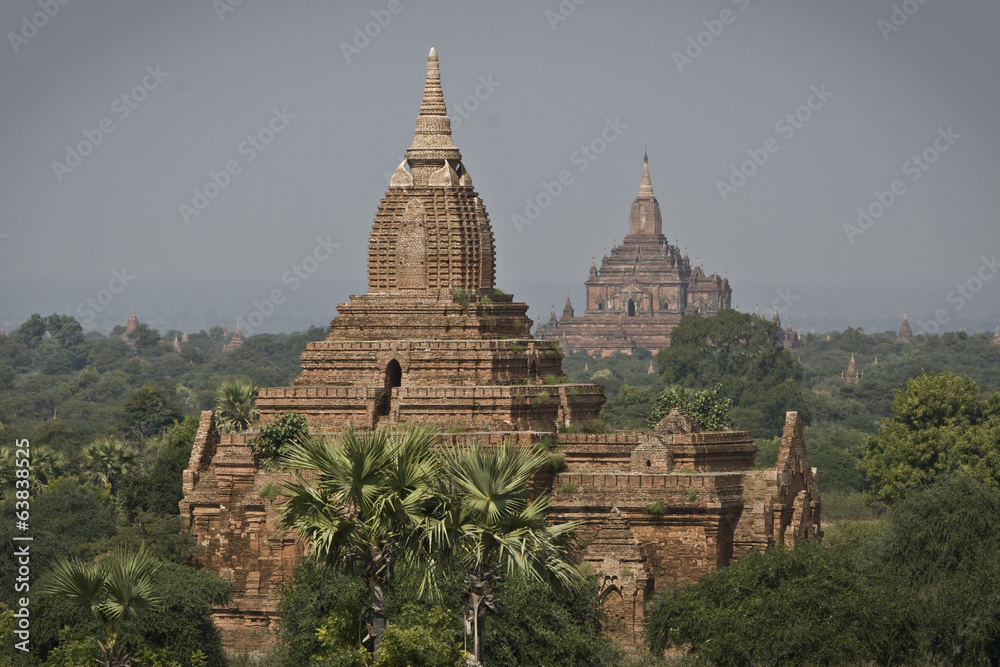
x=115, y=589
x=489, y=524
x=363, y=508
x=236, y=405
x=709, y=408
x=275, y=437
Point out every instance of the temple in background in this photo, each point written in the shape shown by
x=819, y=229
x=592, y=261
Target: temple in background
x=639, y=293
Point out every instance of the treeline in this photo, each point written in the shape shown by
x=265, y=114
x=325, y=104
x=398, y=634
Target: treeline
x=62, y=388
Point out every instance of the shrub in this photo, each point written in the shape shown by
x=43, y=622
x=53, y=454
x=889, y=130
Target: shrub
x=569, y=488
x=286, y=429
x=461, y=297
x=541, y=398
x=658, y=508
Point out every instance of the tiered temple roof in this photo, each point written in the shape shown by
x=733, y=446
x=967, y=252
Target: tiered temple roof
x=641, y=291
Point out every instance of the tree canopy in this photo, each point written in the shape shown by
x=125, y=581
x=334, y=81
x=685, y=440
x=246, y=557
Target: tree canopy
x=941, y=424
x=740, y=353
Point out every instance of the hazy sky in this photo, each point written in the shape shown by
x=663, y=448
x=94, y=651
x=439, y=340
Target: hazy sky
x=704, y=86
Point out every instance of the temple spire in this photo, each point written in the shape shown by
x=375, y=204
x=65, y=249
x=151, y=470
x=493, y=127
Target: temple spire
x=646, y=186
x=432, y=144
x=433, y=102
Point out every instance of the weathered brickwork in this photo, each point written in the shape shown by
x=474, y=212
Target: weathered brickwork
x=432, y=343
x=639, y=293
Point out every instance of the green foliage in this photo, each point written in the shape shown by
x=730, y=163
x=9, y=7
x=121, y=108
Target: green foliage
x=421, y=636
x=148, y=411
x=278, y=436
x=658, y=507
x=106, y=460
x=740, y=352
x=849, y=506
x=320, y=596
x=72, y=652
x=461, y=297
x=807, y=605
x=709, y=408
x=116, y=590
x=236, y=405
x=163, y=486
x=918, y=589
x=541, y=398
x=181, y=625
x=569, y=488
x=552, y=627
x=941, y=425
x=270, y=491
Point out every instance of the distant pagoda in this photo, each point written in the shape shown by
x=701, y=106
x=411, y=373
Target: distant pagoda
x=852, y=375
x=639, y=293
x=905, y=334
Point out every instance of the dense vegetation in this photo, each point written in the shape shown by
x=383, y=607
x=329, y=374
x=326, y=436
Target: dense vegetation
x=908, y=462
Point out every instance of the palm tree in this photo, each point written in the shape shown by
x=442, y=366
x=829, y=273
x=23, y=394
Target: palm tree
x=489, y=524
x=115, y=589
x=365, y=504
x=46, y=465
x=236, y=405
x=106, y=460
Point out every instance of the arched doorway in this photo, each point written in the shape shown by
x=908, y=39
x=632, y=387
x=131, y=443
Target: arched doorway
x=393, y=378
x=631, y=308
x=393, y=374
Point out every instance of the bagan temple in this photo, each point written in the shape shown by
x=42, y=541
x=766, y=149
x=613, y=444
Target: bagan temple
x=639, y=293
x=433, y=343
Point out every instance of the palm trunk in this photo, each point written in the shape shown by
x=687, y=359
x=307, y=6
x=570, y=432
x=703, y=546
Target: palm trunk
x=480, y=594
x=378, y=613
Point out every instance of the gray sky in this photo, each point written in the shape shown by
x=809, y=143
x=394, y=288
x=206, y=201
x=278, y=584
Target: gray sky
x=546, y=88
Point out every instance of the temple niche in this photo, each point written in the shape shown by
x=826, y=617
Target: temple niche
x=432, y=342
x=640, y=292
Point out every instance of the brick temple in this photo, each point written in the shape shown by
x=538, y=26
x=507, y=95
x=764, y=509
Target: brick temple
x=434, y=343
x=639, y=293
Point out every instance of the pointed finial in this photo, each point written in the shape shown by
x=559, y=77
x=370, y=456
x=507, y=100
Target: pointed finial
x=432, y=142
x=646, y=186
x=433, y=102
